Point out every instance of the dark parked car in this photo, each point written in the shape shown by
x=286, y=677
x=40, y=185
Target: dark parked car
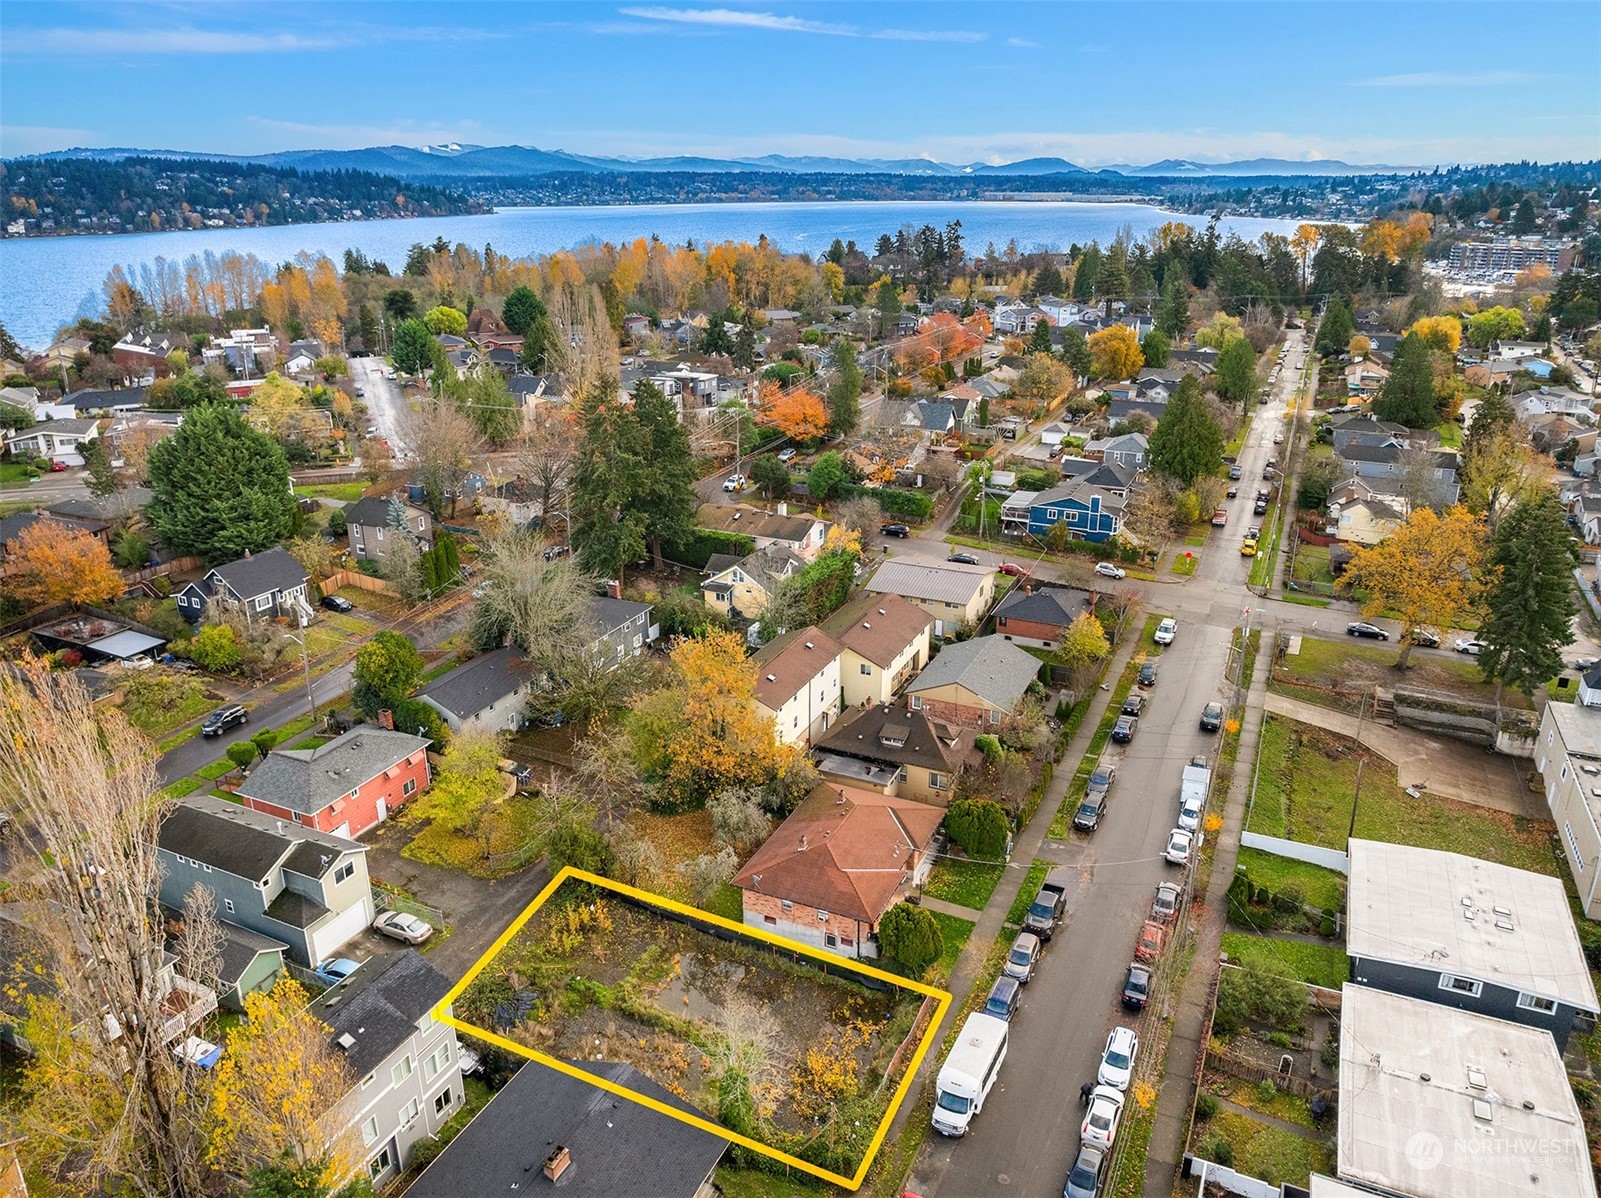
x=894, y=530
x=220, y=721
x=1371, y=631
x=1134, y=704
x=337, y=603
x=1211, y=717
x=1147, y=675
x=1235, y=473
x=1123, y=730
x=1003, y=998
x=966, y=559
x=1137, y=986
x=1259, y=508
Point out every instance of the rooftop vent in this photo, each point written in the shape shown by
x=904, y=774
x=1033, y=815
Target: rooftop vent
x=882, y=612
x=772, y=677
x=1481, y=1110
x=346, y=1041
x=865, y=624
x=809, y=645
x=1507, y=911
x=1505, y=925
x=1475, y=1078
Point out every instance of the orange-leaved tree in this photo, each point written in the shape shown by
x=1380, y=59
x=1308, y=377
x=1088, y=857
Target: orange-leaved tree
x=52, y=563
x=1115, y=352
x=702, y=732
x=1426, y=572
x=796, y=413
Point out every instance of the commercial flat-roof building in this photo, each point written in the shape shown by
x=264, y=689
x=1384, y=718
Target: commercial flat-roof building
x=1567, y=753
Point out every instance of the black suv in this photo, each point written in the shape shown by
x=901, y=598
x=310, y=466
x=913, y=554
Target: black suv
x=1211, y=717
x=220, y=721
x=894, y=530
x=1123, y=730
x=1134, y=704
x=1147, y=674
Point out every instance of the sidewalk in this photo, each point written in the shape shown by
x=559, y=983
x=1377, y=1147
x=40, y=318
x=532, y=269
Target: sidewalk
x=1026, y=847
x=1173, y=1100
x=956, y=910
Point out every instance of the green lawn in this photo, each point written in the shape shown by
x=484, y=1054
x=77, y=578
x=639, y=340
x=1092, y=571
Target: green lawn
x=1450, y=434
x=158, y=702
x=1291, y=1108
x=1320, y=887
x=726, y=901
x=215, y=770
x=1025, y=895
x=1269, y=1153
x=16, y=474
x=344, y=492
x=1312, y=564
x=1320, y=964
x=1303, y=793
x=752, y=1183
x=953, y=936
x=965, y=883
x=1184, y=564
x=1327, y=661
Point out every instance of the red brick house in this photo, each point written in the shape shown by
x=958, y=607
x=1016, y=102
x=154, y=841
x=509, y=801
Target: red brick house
x=843, y=858
x=1039, y=617
x=346, y=786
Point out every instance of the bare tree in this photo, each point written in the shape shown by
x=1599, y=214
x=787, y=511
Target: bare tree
x=738, y=818
x=118, y=1115
x=860, y=515
x=542, y=605
x=546, y=456
x=1418, y=484
x=1150, y=515
x=444, y=441
x=587, y=346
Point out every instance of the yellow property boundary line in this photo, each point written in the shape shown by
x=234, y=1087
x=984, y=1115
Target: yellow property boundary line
x=444, y=1014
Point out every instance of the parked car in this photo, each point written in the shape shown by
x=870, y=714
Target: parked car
x=1235, y=474
x=1471, y=647
x=1254, y=532
x=552, y=552
x=1147, y=674
x=335, y=970
x=223, y=719
x=734, y=482
x=398, y=925
x=1180, y=841
x=894, y=530
x=1134, y=704
x=1166, y=631
x=1123, y=731
x=1425, y=638
x=1233, y=492
x=1108, y=570
x=1117, y=1062
x=1087, y=1174
x=1148, y=945
x=1278, y=438
x=1091, y=808
x=788, y=454
x=1166, y=904
x=1248, y=547
x=1013, y=569
x=1099, y=1128
x=370, y=431
x=1211, y=717
x=1101, y=779
x=1371, y=631
x=1190, y=813
x=337, y=603
x=1003, y=998
x=1220, y=517
x=1136, y=987
x=964, y=558
x=1023, y=956
x=57, y=467
x=1259, y=508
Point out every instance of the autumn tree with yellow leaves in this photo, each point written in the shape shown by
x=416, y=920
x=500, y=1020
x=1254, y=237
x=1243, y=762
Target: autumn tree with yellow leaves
x=1426, y=573
x=54, y=563
x=702, y=732
x=1115, y=352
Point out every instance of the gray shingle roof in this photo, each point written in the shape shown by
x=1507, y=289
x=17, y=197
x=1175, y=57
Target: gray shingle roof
x=379, y=1005
x=924, y=742
x=239, y=948
x=262, y=573
x=1058, y=606
x=373, y=512
x=307, y=780
x=992, y=668
x=617, y=1146
x=474, y=685
x=241, y=842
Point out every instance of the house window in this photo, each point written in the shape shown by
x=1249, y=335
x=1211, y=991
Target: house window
x=409, y=1113
x=1537, y=1002
x=401, y=1071
x=344, y=871
x=369, y=1129
x=422, y=523
x=227, y=905
x=1467, y=986
x=381, y=1163
x=936, y=781
x=367, y=1081
x=831, y=941
x=409, y=785
x=770, y=919
x=432, y=1066
x=263, y=602
x=1053, y=514
x=297, y=816
x=866, y=670
x=786, y=905
x=917, y=702
x=995, y=717
x=380, y=534
x=442, y=1101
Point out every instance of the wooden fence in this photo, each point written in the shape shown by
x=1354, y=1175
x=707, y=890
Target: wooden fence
x=176, y=566
x=355, y=578
x=1235, y=1066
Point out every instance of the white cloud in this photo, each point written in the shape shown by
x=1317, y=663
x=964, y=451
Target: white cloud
x=78, y=42
x=928, y=35
x=736, y=19
x=1022, y=42
x=1444, y=79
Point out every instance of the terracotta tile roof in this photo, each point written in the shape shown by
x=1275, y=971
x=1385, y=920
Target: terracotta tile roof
x=843, y=850
x=784, y=666
x=878, y=627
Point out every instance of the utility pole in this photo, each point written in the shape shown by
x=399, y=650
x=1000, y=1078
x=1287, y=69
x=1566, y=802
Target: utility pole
x=1356, y=792
x=305, y=661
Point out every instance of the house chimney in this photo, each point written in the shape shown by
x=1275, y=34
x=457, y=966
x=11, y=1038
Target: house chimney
x=557, y=1162
x=386, y=719
x=802, y=846
x=783, y=509
x=614, y=588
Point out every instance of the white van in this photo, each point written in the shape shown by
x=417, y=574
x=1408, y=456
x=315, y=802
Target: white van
x=968, y=1073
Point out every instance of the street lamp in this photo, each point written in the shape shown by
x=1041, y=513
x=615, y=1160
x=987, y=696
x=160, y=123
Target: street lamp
x=305, y=661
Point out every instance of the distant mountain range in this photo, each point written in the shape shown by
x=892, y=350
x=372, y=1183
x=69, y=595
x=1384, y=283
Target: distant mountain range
x=443, y=163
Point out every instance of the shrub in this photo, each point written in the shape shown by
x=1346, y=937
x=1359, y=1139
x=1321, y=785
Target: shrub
x=1262, y=998
x=1266, y=1090
x=1330, y=1054
x=705, y=542
x=1289, y=901
x=910, y=935
x=909, y=505
x=1205, y=1107
x=575, y=842
x=265, y=740
x=241, y=753
x=215, y=648
x=980, y=826
x=1220, y=1151
x=337, y=525
x=1325, y=928
x=1278, y=1040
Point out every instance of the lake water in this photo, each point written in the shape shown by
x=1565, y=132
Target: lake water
x=46, y=282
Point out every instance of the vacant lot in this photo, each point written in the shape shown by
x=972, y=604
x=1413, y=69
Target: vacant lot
x=1260, y=1150
x=1320, y=964
x=1338, y=672
x=764, y=1044
x=1319, y=887
x=1308, y=783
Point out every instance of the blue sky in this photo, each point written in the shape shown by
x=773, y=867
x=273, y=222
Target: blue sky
x=1096, y=83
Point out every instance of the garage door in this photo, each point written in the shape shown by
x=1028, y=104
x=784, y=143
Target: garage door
x=327, y=940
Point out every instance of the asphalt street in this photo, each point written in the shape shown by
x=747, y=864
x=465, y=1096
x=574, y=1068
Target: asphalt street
x=386, y=404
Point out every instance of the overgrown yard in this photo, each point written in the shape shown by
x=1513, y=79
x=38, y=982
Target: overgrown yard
x=1305, y=790
x=965, y=883
x=774, y=1049
x=1319, y=887
x=508, y=835
x=1320, y=964
x=1259, y=1150
x=157, y=701
x=1338, y=672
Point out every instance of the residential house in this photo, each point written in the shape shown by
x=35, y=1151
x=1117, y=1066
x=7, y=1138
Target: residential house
x=1515, y=351
x=248, y=353
x=1038, y=617
x=1015, y=508
x=545, y=1128
x=1122, y=411
x=247, y=963
x=1057, y=310
x=1364, y=521
x=129, y=438
x=930, y=416
x=1056, y=432
x=1584, y=514
x=345, y=787
x=520, y=501
x=619, y=628
x=885, y=641
x=500, y=340
x=299, y=363
x=964, y=400
x=1365, y=378
x=989, y=386
x=742, y=588
x=1014, y=319
x=486, y=694
x=13, y=526
x=1089, y=512
x=800, y=533
x=1560, y=400
x=304, y=888
x=1467, y=933
x=94, y=402
x=1567, y=754
x=1435, y=1103
x=369, y=521
x=830, y=871
x=973, y=683
x=1200, y=362
x=635, y=326
x=263, y=585
x=380, y=1020
x=1390, y=461
x=1365, y=429
x=896, y=751
x=798, y=683
x=64, y=353
x=144, y=355
x=1129, y=449
x=1141, y=322
x=59, y=440
x=952, y=593
x=104, y=509
x=1115, y=477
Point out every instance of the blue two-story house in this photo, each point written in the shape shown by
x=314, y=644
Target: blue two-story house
x=1090, y=512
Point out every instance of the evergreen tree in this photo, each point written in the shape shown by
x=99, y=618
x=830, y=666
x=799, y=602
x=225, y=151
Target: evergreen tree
x=1156, y=348
x=1084, y=275
x=745, y=346
x=1334, y=333
x=413, y=347
x=665, y=493
x=1039, y=341
x=844, y=388
x=1493, y=415
x=1529, y=581
x=715, y=340
x=613, y=454
x=221, y=487
x=1187, y=443
x=1408, y=394
x=1236, y=371
x=1048, y=281
x=1111, y=282
x=1076, y=353
x=367, y=326
x=102, y=479
x=521, y=308
x=1173, y=313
